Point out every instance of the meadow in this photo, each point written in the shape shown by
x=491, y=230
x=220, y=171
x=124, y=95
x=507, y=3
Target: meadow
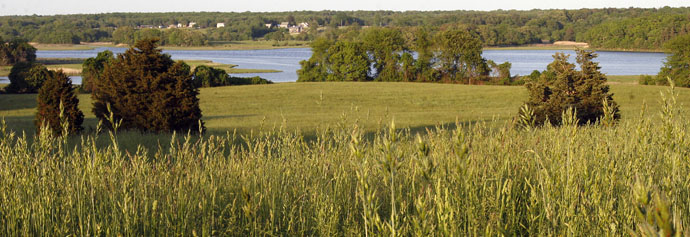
x=354, y=159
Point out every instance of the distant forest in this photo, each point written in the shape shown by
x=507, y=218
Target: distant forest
x=631, y=28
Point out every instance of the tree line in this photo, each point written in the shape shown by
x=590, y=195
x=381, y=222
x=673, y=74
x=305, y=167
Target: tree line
x=626, y=28
x=386, y=54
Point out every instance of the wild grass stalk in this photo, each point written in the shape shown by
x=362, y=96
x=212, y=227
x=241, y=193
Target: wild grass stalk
x=597, y=180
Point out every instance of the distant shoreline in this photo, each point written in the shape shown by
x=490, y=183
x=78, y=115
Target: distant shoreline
x=268, y=45
x=229, y=45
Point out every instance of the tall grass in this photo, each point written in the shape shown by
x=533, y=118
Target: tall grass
x=595, y=180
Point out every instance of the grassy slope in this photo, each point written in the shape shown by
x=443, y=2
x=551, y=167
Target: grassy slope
x=307, y=106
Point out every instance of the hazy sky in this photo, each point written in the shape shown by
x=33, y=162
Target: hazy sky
x=50, y=7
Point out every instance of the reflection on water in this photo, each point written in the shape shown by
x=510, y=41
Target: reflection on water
x=287, y=60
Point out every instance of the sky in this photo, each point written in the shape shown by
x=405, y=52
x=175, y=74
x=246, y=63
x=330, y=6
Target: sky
x=53, y=7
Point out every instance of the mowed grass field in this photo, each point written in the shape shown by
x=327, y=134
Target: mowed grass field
x=308, y=107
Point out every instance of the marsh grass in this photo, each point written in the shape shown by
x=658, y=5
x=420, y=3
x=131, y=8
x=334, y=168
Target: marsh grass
x=473, y=179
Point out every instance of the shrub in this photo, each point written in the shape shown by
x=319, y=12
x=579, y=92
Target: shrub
x=147, y=90
x=205, y=76
x=57, y=103
x=26, y=77
x=561, y=87
x=248, y=80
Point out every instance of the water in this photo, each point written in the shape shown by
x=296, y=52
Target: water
x=287, y=60
x=611, y=63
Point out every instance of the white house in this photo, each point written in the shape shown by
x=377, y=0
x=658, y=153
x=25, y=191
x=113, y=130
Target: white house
x=179, y=25
x=269, y=25
x=284, y=25
x=192, y=24
x=219, y=25
x=304, y=25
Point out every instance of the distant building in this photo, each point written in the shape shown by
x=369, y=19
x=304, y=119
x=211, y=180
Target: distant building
x=284, y=25
x=219, y=25
x=179, y=25
x=162, y=27
x=269, y=25
x=147, y=27
x=172, y=26
x=304, y=25
x=297, y=29
x=192, y=24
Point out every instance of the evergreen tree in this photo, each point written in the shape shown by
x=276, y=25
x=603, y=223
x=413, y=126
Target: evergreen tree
x=57, y=103
x=147, y=90
x=561, y=87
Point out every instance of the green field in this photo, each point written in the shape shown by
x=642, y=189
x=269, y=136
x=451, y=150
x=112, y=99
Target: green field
x=356, y=174
x=311, y=106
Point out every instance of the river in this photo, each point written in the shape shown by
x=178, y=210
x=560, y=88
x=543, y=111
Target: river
x=287, y=60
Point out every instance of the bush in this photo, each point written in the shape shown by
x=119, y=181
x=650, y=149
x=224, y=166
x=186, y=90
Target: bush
x=146, y=90
x=26, y=77
x=561, y=88
x=248, y=81
x=652, y=80
x=57, y=103
x=205, y=76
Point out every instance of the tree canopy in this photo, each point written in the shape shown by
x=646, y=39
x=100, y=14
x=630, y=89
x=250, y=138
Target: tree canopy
x=382, y=54
x=623, y=28
x=58, y=105
x=146, y=90
x=677, y=65
x=560, y=87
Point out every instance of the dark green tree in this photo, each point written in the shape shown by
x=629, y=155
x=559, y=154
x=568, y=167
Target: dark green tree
x=92, y=68
x=27, y=77
x=16, y=51
x=677, y=65
x=561, y=87
x=58, y=104
x=147, y=90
